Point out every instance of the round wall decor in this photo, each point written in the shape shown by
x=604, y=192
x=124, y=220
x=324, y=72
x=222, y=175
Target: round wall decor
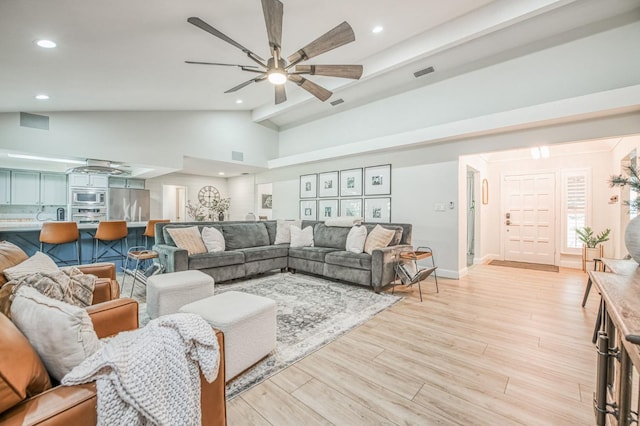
x=207, y=195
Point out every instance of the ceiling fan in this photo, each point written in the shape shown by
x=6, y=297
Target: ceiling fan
x=278, y=70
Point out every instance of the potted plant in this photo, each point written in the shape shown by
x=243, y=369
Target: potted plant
x=592, y=244
x=632, y=233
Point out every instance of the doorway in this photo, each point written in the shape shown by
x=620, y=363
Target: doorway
x=471, y=216
x=174, y=204
x=528, y=230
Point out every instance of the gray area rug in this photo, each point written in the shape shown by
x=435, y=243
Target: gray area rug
x=311, y=313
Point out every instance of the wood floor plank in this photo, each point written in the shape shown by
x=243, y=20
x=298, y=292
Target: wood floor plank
x=500, y=346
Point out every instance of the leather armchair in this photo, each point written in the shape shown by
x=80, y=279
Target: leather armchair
x=76, y=405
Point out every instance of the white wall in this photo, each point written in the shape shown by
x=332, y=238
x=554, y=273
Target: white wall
x=241, y=191
x=153, y=138
x=561, y=72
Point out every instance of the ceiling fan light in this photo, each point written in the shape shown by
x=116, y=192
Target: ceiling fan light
x=277, y=77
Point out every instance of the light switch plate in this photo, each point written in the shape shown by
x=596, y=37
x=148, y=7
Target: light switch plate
x=439, y=207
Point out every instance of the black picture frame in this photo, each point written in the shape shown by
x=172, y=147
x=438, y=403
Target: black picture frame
x=308, y=210
x=377, y=180
x=328, y=185
x=377, y=210
x=351, y=182
x=309, y=186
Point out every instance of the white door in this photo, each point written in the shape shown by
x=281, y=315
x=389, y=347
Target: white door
x=529, y=217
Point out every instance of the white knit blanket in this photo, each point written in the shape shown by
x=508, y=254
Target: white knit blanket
x=150, y=375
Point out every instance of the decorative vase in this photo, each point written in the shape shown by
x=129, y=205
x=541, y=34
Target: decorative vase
x=221, y=216
x=632, y=238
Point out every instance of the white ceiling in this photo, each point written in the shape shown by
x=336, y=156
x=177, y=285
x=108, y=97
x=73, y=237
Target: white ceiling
x=124, y=55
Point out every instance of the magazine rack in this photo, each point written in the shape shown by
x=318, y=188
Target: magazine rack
x=409, y=272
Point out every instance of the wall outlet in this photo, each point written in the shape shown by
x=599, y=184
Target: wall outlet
x=439, y=207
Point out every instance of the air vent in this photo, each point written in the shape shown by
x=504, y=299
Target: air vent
x=34, y=121
x=237, y=156
x=337, y=102
x=423, y=72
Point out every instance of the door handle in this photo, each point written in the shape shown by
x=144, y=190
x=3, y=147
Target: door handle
x=508, y=222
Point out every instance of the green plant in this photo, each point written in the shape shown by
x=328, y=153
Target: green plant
x=591, y=241
x=633, y=180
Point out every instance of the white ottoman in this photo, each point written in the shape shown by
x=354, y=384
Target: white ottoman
x=166, y=293
x=248, y=323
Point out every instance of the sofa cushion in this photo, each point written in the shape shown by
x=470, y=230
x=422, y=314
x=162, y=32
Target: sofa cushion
x=283, y=230
x=213, y=239
x=301, y=237
x=10, y=255
x=61, y=334
x=252, y=254
x=22, y=373
x=39, y=262
x=349, y=259
x=188, y=239
x=378, y=238
x=316, y=254
x=243, y=235
x=330, y=236
x=215, y=260
x=271, y=230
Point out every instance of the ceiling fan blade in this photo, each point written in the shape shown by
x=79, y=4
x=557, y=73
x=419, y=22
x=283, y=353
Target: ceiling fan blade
x=220, y=64
x=272, y=10
x=311, y=87
x=246, y=83
x=208, y=28
x=339, y=36
x=281, y=94
x=344, y=71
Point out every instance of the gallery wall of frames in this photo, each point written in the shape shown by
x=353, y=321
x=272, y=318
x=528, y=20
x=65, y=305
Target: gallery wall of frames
x=362, y=192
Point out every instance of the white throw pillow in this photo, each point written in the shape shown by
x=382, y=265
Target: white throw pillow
x=378, y=238
x=188, y=238
x=213, y=239
x=283, y=231
x=356, y=239
x=301, y=237
x=39, y=262
x=60, y=333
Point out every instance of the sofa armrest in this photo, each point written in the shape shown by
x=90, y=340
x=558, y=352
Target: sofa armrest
x=110, y=318
x=174, y=259
x=100, y=270
x=382, y=265
x=212, y=395
x=62, y=405
x=105, y=289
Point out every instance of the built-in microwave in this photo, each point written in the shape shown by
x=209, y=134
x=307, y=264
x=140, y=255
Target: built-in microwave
x=88, y=197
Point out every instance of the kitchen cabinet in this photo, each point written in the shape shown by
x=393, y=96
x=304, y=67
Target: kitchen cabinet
x=5, y=187
x=53, y=189
x=120, y=182
x=90, y=180
x=25, y=187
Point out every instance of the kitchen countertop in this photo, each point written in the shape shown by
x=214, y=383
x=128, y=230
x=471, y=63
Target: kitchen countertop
x=35, y=226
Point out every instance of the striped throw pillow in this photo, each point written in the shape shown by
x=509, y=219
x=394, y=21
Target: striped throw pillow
x=378, y=238
x=188, y=239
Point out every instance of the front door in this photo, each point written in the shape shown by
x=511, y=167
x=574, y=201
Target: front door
x=529, y=217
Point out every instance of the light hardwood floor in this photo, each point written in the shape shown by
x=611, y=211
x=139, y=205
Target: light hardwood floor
x=501, y=346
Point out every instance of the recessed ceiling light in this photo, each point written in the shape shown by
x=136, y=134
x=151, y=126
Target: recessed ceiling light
x=221, y=173
x=42, y=97
x=377, y=29
x=238, y=101
x=47, y=44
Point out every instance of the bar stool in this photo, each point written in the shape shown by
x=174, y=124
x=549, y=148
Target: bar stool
x=150, y=230
x=110, y=233
x=58, y=233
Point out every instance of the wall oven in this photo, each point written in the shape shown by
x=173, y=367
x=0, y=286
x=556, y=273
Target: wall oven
x=88, y=214
x=88, y=197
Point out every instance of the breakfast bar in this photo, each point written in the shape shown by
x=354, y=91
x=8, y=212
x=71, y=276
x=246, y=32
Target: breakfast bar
x=26, y=235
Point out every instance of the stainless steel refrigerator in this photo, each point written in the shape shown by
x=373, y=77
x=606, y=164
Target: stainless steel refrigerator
x=127, y=204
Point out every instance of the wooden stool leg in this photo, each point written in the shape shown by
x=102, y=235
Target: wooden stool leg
x=586, y=292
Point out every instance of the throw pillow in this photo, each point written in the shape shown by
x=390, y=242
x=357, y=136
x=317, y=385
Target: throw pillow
x=283, y=230
x=60, y=333
x=39, y=262
x=356, y=239
x=213, y=239
x=10, y=255
x=378, y=238
x=301, y=237
x=188, y=239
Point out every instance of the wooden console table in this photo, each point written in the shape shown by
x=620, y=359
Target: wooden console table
x=618, y=341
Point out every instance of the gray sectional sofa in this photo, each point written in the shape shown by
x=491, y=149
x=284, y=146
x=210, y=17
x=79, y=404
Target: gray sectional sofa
x=250, y=250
